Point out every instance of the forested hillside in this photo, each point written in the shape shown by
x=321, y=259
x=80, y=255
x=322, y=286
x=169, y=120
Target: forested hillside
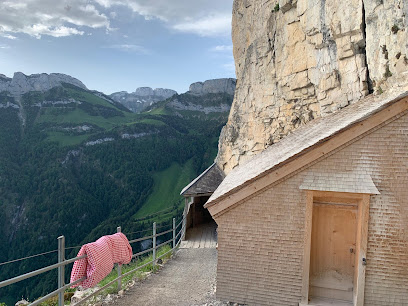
x=75, y=163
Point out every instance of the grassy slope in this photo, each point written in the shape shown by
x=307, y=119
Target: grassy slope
x=108, y=182
x=166, y=188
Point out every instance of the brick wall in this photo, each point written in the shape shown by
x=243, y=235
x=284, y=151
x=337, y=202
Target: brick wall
x=260, y=242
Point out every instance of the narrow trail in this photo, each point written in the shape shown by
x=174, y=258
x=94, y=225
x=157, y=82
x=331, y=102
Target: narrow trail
x=187, y=279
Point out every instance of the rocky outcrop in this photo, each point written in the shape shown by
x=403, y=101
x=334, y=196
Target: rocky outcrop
x=142, y=98
x=213, y=86
x=196, y=107
x=158, y=92
x=21, y=83
x=297, y=60
x=212, y=96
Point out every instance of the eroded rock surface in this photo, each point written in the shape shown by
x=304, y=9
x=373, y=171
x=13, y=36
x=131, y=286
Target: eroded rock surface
x=299, y=60
x=213, y=87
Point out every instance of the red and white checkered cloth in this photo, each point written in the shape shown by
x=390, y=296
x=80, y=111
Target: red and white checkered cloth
x=101, y=256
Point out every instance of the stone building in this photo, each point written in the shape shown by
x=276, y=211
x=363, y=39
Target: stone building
x=321, y=217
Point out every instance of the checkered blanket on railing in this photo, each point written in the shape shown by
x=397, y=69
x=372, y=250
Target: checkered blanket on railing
x=101, y=256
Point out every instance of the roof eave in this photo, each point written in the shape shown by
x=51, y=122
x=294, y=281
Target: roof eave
x=395, y=107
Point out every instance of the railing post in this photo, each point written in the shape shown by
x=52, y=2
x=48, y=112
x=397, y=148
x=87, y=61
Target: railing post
x=154, y=244
x=61, y=269
x=174, y=234
x=119, y=230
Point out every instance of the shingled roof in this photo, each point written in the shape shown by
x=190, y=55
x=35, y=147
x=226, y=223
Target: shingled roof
x=206, y=183
x=298, y=143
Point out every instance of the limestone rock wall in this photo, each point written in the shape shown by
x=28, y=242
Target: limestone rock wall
x=297, y=60
x=213, y=86
x=21, y=83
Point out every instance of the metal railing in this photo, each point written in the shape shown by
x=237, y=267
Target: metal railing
x=62, y=262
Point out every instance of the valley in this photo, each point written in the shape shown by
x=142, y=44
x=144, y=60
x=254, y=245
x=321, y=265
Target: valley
x=77, y=163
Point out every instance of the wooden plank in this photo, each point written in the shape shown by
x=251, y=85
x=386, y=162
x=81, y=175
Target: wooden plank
x=219, y=207
x=362, y=252
x=202, y=239
x=207, y=236
x=331, y=261
x=197, y=237
x=307, y=246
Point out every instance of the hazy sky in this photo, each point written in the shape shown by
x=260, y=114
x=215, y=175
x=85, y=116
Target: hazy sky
x=113, y=45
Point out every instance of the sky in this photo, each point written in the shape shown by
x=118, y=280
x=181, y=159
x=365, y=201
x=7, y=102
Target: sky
x=116, y=45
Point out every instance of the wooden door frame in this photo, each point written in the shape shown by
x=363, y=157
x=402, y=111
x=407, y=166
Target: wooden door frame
x=363, y=203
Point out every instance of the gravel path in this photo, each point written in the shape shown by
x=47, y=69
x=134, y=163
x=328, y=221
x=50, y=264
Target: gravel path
x=187, y=279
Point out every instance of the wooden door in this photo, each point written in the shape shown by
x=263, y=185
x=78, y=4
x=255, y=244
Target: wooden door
x=333, y=249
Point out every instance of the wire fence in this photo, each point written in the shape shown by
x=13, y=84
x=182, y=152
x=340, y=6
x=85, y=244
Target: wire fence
x=28, y=257
x=62, y=262
x=79, y=246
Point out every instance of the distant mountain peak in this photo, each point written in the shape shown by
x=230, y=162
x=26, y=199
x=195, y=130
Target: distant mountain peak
x=143, y=97
x=21, y=83
x=159, y=92
x=225, y=85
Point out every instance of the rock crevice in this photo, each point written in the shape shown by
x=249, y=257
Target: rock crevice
x=305, y=59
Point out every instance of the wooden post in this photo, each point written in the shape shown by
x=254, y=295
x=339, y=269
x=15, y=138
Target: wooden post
x=119, y=230
x=61, y=269
x=364, y=211
x=154, y=244
x=174, y=234
x=307, y=240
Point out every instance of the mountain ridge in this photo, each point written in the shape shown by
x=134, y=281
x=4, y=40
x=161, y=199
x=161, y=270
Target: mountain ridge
x=145, y=97
x=20, y=83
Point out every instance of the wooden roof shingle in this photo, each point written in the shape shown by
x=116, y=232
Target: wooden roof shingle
x=206, y=183
x=299, y=142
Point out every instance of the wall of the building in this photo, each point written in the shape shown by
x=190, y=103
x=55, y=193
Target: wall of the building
x=260, y=242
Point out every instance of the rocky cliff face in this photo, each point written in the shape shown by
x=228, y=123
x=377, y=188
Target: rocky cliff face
x=213, y=86
x=21, y=83
x=299, y=60
x=211, y=96
x=142, y=98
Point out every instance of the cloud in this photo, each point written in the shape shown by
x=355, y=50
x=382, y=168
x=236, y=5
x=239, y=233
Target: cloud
x=8, y=36
x=201, y=17
x=222, y=48
x=208, y=26
x=4, y=47
x=129, y=48
x=49, y=17
x=75, y=17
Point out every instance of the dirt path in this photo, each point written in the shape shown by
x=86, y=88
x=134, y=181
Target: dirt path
x=188, y=279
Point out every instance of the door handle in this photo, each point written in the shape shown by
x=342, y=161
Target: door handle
x=364, y=262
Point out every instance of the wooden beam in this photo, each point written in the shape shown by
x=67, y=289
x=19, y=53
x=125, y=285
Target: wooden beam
x=362, y=236
x=218, y=207
x=307, y=246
